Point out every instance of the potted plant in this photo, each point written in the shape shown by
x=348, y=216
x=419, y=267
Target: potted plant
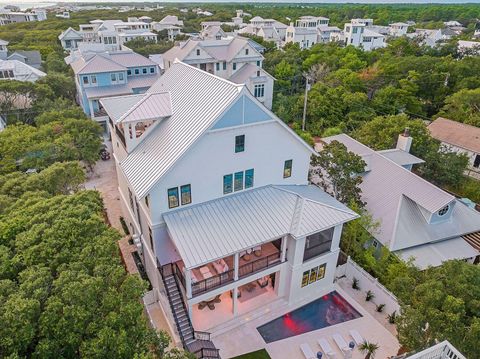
x=355, y=284
x=392, y=317
x=369, y=296
x=380, y=308
x=369, y=349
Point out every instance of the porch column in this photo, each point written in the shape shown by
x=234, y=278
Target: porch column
x=283, y=249
x=188, y=283
x=235, y=266
x=90, y=105
x=234, y=300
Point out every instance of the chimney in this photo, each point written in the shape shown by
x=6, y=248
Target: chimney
x=404, y=140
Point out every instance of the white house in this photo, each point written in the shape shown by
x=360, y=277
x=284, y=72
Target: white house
x=358, y=34
x=20, y=71
x=459, y=137
x=235, y=58
x=171, y=24
x=268, y=29
x=398, y=29
x=442, y=350
x=417, y=220
x=431, y=38
x=8, y=16
x=468, y=48
x=112, y=33
x=218, y=208
x=309, y=30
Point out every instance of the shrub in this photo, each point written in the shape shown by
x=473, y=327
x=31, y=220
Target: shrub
x=369, y=296
x=355, y=284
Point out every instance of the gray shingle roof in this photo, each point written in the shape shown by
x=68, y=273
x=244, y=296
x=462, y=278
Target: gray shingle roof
x=213, y=229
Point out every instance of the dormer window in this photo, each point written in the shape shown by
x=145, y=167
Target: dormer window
x=444, y=210
x=198, y=52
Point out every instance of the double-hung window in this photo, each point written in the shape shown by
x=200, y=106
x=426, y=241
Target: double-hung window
x=144, y=70
x=238, y=181
x=224, y=65
x=234, y=66
x=114, y=77
x=186, y=194
x=137, y=71
x=287, y=169
x=239, y=143
x=217, y=66
x=249, y=178
x=152, y=70
x=120, y=76
x=173, y=197
x=93, y=79
x=227, y=184
x=85, y=80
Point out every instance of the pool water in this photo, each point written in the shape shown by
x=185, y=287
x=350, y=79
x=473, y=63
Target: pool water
x=328, y=310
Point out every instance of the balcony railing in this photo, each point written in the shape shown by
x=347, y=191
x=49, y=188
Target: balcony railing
x=100, y=113
x=258, y=265
x=227, y=277
x=317, y=250
x=216, y=281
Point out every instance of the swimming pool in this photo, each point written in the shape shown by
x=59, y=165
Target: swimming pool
x=328, y=310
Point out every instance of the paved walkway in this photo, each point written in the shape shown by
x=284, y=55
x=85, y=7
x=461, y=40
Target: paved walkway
x=104, y=179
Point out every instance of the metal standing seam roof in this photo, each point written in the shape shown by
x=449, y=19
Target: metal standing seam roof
x=107, y=91
x=151, y=106
x=248, y=71
x=224, y=226
x=386, y=184
x=96, y=64
x=116, y=107
x=401, y=157
x=198, y=99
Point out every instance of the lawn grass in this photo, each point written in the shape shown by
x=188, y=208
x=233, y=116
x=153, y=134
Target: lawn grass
x=259, y=354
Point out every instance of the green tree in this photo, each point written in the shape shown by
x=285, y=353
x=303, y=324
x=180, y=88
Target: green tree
x=369, y=349
x=337, y=171
x=463, y=106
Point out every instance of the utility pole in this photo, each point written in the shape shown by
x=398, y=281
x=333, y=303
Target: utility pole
x=307, y=88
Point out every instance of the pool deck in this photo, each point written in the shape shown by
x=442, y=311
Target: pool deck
x=246, y=338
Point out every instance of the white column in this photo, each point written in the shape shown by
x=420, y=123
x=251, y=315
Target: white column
x=234, y=300
x=188, y=283
x=235, y=266
x=190, y=309
x=90, y=105
x=337, y=233
x=283, y=249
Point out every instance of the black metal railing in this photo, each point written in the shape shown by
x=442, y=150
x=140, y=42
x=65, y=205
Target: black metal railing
x=120, y=135
x=216, y=281
x=173, y=269
x=202, y=335
x=207, y=353
x=259, y=264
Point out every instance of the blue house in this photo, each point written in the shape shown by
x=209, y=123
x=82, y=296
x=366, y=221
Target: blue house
x=103, y=74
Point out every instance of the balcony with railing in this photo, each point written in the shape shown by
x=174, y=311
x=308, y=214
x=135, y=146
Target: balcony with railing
x=221, y=272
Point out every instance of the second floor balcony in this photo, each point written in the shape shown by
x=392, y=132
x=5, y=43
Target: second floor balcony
x=227, y=270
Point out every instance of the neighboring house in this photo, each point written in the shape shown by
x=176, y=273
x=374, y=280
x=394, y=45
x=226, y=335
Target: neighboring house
x=442, y=350
x=3, y=49
x=310, y=30
x=398, y=29
x=268, y=29
x=357, y=33
x=416, y=219
x=468, y=48
x=63, y=15
x=233, y=58
x=311, y=21
x=30, y=57
x=106, y=74
x=112, y=33
x=459, y=137
x=11, y=17
x=216, y=206
x=326, y=33
x=305, y=37
x=212, y=32
x=70, y=39
x=20, y=71
x=429, y=37
x=476, y=33
x=453, y=23
x=171, y=24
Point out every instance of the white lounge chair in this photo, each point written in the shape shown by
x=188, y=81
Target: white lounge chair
x=357, y=338
x=343, y=345
x=307, y=351
x=326, y=348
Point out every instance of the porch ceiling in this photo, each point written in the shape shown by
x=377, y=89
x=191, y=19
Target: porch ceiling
x=218, y=228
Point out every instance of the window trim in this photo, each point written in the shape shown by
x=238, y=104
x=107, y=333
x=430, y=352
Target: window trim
x=239, y=143
x=287, y=168
x=228, y=183
x=189, y=192
x=175, y=194
x=250, y=174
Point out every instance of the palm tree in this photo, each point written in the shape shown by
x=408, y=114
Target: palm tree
x=369, y=349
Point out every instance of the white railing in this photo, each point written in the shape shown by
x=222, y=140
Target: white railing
x=366, y=282
x=443, y=350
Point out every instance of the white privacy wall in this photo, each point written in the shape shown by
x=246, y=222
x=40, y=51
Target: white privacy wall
x=366, y=282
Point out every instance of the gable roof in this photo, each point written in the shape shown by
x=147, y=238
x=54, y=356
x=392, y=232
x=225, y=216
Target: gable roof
x=202, y=232
x=33, y=57
x=70, y=32
x=246, y=72
x=97, y=62
x=401, y=157
x=198, y=99
x=21, y=71
x=151, y=106
x=456, y=134
x=386, y=184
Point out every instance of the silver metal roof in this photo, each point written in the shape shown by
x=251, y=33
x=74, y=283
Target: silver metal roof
x=224, y=226
x=198, y=99
x=151, y=106
x=116, y=107
x=401, y=157
x=434, y=254
x=386, y=184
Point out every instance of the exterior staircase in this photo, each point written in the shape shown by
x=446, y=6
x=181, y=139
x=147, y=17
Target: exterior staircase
x=198, y=343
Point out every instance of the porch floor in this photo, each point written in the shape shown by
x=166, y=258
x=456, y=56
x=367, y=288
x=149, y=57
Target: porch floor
x=206, y=319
